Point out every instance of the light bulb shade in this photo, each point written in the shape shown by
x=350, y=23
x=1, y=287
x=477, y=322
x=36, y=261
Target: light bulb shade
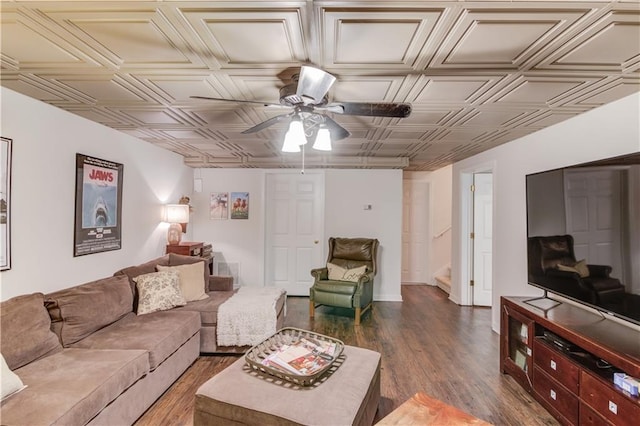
x=176, y=213
x=296, y=128
x=294, y=137
x=323, y=140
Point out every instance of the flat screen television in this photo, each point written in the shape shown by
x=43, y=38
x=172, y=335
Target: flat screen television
x=583, y=234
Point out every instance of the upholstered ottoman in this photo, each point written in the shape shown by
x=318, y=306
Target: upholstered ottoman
x=239, y=395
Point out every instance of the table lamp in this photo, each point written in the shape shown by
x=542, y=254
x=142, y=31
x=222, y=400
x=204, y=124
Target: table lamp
x=175, y=214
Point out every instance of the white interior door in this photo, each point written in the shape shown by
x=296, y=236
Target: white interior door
x=592, y=200
x=415, y=231
x=294, y=229
x=482, y=241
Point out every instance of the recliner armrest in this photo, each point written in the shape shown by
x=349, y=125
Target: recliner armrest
x=320, y=273
x=602, y=271
x=365, y=278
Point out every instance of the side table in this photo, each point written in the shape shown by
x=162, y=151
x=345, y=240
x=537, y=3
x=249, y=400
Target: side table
x=189, y=248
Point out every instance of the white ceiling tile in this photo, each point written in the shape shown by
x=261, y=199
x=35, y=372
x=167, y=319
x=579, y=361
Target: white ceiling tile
x=103, y=89
x=614, y=44
x=477, y=74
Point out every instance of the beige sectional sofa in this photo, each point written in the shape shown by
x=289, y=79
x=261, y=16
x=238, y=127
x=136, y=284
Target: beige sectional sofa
x=87, y=357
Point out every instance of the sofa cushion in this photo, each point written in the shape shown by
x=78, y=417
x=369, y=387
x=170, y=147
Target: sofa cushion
x=145, y=268
x=10, y=383
x=78, y=311
x=159, y=291
x=26, y=330
x=72, y=386
x=208, y=308
x=159, y=333
x=191, y=280
x=338, y=287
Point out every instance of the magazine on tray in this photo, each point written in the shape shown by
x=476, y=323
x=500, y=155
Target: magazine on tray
x=303, y=357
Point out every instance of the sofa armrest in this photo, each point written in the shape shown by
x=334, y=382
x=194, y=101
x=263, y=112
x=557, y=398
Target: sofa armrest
x=220, y=283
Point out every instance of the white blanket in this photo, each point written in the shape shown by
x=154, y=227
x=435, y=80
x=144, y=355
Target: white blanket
x=248, y=317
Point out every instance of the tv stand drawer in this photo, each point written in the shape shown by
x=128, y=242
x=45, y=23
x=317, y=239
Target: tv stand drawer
x=609, y=402
x=556, y=397
x=557, y=365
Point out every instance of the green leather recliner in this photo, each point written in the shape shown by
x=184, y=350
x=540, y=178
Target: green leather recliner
x=347, y=253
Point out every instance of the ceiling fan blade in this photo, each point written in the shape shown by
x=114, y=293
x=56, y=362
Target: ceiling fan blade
x=263, y=103
x=337, y=131
x=371, y=109
x=313, y=84
x=266, y=123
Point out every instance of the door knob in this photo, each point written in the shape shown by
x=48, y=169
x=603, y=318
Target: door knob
x=315, y=242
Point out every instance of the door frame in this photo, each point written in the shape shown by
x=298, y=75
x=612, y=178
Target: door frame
x=466, y=225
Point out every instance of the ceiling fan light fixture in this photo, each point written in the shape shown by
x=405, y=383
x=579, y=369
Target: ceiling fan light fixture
x=294, y=137
x=314, y=84
x=323, y=139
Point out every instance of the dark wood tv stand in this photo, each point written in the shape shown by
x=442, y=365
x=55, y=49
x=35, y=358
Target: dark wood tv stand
x=571, y=376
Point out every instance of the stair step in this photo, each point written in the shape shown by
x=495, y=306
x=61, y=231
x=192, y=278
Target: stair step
x=444, y=283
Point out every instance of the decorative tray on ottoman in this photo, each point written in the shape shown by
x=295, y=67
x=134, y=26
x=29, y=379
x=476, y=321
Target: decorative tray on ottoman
x=296, y=355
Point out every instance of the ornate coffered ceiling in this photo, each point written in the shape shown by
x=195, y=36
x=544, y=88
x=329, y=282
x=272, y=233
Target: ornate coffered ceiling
x=478, y=74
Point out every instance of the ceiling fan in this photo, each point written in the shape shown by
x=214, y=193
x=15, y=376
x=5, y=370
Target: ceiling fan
x=307, y=97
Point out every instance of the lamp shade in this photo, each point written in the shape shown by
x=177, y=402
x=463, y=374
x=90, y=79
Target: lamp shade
x=176, y=213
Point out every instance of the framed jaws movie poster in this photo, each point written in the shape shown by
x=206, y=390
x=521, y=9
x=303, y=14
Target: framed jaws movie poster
x=98, y=214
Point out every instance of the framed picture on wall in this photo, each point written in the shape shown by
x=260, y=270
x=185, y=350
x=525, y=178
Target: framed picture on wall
x=5, y=204
x=98, y=209
x=239, y=205
x=219, y=205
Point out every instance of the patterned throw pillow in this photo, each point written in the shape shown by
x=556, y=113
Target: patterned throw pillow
x=159, y=291
x=339, y=273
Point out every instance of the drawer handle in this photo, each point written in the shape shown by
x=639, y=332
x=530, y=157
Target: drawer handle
x=613, y=407
x=553, y=365
x=553, y=395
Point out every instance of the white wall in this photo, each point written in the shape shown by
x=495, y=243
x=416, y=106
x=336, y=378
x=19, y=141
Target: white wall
x=45, y=142
x=610, y=130
x=440, y=184
x=346, y=192
x=239, y=240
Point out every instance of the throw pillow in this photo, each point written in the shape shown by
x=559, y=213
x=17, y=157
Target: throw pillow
x=191, y=280
x=26, y=330
x=339, y=273
x=580, y=268
x=10, y=383
x=73, y=310
x=158, y=291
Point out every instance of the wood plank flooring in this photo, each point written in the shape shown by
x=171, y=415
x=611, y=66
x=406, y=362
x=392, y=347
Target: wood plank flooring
x=428, y=344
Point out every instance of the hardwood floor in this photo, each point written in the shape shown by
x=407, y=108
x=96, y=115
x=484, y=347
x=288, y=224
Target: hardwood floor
x=428, y=344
